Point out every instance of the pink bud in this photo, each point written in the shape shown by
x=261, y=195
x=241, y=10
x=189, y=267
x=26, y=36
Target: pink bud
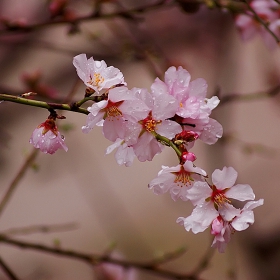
x=188, y=156
x=47, y=138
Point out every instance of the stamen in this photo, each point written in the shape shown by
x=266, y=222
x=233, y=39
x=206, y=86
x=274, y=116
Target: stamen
x=218, y=197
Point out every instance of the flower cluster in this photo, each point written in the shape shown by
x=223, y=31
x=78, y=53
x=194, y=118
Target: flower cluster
x=140, y=122
x=175, y=112
x=267, y=12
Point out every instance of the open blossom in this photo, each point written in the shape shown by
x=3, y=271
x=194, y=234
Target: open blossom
x=96, y=75
x=212, y=201
x=47, y=138
x=121, y=106
x=162, y=107
x=191, y=95
x=177, y=180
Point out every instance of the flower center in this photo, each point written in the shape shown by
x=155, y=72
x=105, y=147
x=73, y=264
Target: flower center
x=96, y=79
x=49, y=124
x=183, y=178
x=149, y=124
x=112, y=109
x=218, y=197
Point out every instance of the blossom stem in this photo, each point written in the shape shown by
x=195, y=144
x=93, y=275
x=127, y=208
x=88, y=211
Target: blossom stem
x=42, y=104
x=168, y=143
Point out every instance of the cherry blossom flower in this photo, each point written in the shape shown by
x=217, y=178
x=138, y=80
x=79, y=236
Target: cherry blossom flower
x=191, y=95
x=121, y=106
x=212, y=201
x=96, y=75
x=47, y=138
x=162, y=107
x=177, y=180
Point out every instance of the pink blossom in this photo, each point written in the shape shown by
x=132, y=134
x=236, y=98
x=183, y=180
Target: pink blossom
x=191, y=95
x=47, y=138
x=162, y=107
x=177, y=180
x=122, y=105
x=96, y=75
x=212, y=201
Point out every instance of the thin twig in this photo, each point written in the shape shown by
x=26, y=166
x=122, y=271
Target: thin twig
x=249, y=96
x=204, y=263
x=17, y=178
x=39, y=229
x=94, y=259
x=7, y=270
x=127, y=14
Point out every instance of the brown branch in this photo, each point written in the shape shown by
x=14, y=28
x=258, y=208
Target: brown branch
x=39, y=229
x=204, y=263
x=249, y=96
x=7, y=270
x=94, y=259
x=17, y=178
x=127, y=14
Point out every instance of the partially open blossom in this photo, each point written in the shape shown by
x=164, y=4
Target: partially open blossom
x=47, y=138
x=96, y=75
x=222, y=229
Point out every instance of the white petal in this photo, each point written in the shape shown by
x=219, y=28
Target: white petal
x=241, y=192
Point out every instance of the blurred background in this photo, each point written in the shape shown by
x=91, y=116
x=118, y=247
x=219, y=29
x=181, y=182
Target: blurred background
x=103, y=203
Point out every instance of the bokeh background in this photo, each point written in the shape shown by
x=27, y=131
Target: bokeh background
x=108, y=203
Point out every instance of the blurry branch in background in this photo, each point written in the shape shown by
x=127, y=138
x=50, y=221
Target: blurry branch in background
x=7, y=270
x=39, y=229
x=204, y=263
x=94, y=259
x=12, y=187
x=248, y=148
x=227, y=98
x=14, y=27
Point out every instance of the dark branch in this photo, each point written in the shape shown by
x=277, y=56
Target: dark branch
x=7, y=270
x=94, y=259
